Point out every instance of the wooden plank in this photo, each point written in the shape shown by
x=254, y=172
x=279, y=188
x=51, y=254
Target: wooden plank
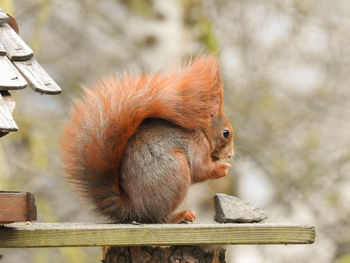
x=37, y=77
x=2, y=50
x=7, y=123
x=3, y=17
x=10, y=78
x=81, y=235
x=15, y=47
x=16, y=206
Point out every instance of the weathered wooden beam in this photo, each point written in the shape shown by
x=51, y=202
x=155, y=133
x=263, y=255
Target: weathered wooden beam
x=10, y=78
x=3, y=17
x=7, y=123
x=81, y=235
x=16, y=206
x=15, y=47
x=2, y=50
x=37, y=77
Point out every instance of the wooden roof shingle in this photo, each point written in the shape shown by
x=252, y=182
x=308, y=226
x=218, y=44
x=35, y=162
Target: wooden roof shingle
x=18, y=70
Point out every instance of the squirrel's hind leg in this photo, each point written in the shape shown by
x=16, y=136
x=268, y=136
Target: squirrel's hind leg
x=186, y=215
x=155, y=183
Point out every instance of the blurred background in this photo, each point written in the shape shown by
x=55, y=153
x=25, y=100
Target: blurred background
x=286, y=73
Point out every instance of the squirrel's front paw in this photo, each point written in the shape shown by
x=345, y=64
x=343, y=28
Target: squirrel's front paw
x=220, y=170
x=186, y=215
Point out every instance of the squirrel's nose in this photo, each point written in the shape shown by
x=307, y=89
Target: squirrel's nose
x=231, y=154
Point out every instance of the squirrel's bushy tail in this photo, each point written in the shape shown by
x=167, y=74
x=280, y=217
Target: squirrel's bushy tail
x=104, y=119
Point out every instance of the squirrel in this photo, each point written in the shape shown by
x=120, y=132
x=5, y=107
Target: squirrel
x=135, y=144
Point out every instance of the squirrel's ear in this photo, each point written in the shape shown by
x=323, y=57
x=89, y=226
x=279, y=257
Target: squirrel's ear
x=217, y=107
x=204, y=73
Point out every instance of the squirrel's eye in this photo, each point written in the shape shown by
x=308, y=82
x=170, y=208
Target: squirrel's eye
x=226, y=133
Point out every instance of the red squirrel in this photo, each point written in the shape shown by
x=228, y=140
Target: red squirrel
x=135, y=144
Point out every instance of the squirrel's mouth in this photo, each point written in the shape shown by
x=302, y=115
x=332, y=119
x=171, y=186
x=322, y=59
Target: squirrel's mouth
x=223, y=160
x=215, y=159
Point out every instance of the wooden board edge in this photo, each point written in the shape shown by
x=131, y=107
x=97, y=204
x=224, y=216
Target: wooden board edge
x=31, y=207
x=25, y=200
x=31, y=70
x=20, y=82
x=47, y=92
x=7, y=31
x=71, y=235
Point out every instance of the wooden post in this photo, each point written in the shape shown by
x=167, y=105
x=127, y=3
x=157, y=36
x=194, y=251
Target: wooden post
x=186, y=254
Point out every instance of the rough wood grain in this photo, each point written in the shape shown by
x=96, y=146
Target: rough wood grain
x=16, y=206
x=31, y=207
x=7, y=124
x=188, y=254
x=37, y=77
x=78, y=234
x=15, y=47
x=3, y=17
x=10, y=78
x=10, y=102
x=2, y=50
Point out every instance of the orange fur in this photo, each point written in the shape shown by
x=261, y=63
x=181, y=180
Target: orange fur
x=107, y=116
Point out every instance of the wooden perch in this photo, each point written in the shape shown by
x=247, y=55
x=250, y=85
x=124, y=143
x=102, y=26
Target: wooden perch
x=82, y=235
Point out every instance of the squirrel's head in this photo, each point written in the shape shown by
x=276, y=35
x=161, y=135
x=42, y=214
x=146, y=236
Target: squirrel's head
x=216, y=126
x=219, y=132
x=221, y=136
